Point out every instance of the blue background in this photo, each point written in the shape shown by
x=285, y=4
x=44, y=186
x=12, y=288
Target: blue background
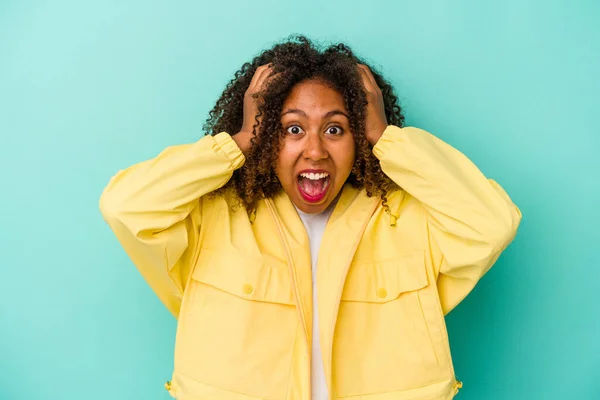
x=89, y=87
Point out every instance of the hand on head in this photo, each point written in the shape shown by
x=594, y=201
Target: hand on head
x=251, y=120
x=376, y=120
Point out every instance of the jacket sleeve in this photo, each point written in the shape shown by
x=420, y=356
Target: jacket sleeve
x=470, y=218
x=154, y=209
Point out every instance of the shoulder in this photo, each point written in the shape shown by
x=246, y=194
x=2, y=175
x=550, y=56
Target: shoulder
x=221, y=202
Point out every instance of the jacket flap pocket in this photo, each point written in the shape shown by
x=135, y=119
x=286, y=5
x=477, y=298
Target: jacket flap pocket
x=253, y=278
x=383, y=281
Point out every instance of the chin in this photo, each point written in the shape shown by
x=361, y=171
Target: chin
x=312, y=208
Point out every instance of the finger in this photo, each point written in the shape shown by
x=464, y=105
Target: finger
x=256, y=77
x=270, y=78
x=265, y=77
x=370, y=76
x=365, y=78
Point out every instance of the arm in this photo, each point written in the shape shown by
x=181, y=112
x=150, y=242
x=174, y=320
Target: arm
x=154, y=209
x=471, y=219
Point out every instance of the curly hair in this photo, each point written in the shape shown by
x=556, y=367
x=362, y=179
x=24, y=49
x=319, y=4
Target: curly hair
x=296, y=60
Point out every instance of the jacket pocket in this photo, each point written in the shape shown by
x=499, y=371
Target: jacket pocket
x=238, y=324
x=386, y=334
x=384, y=281
x=263, y=279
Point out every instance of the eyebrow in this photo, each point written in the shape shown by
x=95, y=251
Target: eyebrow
x=303, y=114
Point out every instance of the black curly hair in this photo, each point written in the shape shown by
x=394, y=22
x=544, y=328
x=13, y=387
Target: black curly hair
x=298, y=59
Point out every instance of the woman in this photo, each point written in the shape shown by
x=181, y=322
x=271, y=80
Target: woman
x=311, y=245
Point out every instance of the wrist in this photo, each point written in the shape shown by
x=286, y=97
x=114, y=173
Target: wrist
x=374, y=136
x=243, y=140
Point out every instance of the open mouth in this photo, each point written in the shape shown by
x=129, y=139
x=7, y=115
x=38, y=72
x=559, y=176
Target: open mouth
x=313, y=186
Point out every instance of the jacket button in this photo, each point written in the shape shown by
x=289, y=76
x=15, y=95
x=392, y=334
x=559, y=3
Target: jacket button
x=381, y=293
x=247, y=288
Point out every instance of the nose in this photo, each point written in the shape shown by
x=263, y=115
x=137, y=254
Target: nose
x=314, y=148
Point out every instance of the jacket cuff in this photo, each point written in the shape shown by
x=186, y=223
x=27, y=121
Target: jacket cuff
x=392, y=134
x=227, y=145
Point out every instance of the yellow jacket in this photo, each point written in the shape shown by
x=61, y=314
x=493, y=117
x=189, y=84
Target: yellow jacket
x=240, y=285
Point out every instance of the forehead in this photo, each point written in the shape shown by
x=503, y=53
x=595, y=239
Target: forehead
x=313, y=95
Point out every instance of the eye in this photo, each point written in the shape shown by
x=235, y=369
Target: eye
x=294, y=130
x=335, y=130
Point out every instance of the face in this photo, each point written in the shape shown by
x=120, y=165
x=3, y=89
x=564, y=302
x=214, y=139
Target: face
x=317, y=153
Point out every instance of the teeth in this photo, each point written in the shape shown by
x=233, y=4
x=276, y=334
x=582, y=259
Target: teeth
x=314, y=177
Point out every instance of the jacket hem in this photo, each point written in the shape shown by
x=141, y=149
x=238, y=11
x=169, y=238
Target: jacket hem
x=442, y=390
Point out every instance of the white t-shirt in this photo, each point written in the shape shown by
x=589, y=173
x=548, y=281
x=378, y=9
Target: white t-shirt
x=315, y=226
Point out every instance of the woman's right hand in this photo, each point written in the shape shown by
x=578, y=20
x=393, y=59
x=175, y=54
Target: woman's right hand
x=251, y=101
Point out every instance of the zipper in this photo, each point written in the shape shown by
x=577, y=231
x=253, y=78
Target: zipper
x=295, y=288
x=339, y=295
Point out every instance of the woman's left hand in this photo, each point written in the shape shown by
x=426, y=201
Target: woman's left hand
x=376, y=121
